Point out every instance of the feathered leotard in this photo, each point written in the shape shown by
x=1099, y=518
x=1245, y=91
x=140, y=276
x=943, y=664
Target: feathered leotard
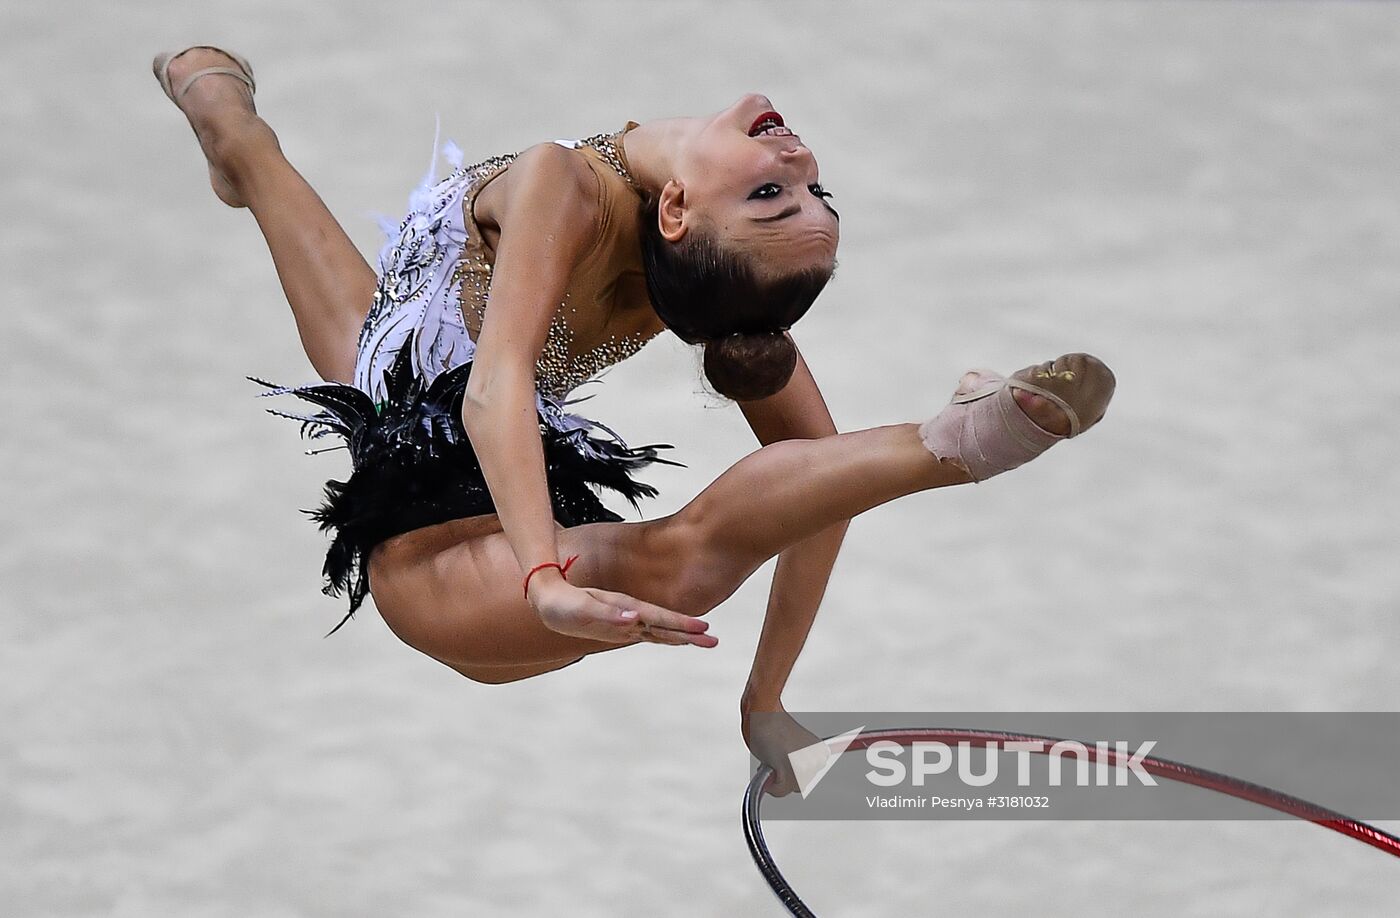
x=413, y=464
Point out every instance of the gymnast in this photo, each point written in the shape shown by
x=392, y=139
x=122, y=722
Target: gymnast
x=472, y=513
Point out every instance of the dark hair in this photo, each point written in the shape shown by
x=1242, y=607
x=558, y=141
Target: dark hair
x=712, y=295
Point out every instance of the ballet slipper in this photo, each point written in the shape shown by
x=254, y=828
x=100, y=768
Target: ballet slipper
x=223, y=188
x=161, y=67
x=984, y=432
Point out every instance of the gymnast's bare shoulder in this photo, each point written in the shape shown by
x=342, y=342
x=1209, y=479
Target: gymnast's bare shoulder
x=545, y=184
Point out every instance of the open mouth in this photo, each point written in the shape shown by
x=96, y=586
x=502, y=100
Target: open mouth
x=768, y=124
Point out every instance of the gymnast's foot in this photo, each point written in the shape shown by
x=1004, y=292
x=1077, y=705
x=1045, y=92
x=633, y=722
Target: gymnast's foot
x=995, y=424
x=218, y=106
x=1082, y=380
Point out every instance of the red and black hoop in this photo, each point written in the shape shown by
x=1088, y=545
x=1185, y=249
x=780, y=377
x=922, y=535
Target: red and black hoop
x=1162, y=768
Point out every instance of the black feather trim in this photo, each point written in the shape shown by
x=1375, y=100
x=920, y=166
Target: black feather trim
x=414, y=466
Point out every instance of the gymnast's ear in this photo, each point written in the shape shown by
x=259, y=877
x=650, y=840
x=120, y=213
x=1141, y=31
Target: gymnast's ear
x=671, y=212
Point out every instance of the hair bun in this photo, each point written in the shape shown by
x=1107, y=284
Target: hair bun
x=745, y=367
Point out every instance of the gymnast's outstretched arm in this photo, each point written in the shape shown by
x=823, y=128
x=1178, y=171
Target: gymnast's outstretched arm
x=797, y=412
x=547, y=209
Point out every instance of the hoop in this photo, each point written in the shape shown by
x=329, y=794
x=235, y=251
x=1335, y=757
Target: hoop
x=1162, y=768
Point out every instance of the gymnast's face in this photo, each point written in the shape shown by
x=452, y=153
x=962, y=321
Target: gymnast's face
x=749, y=179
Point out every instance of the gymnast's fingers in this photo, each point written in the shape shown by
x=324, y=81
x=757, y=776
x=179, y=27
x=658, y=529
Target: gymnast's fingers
x=688, y=629
x=654, y=615
x=662, y=636
x=659, y=634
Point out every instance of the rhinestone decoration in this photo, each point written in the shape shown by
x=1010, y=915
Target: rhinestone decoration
x=607, y=146
x=558, y=370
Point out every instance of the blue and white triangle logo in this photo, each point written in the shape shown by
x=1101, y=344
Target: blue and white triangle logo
x=811, y=763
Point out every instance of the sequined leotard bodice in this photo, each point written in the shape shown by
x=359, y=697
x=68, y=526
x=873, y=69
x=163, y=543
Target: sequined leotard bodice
x=414, y=464
x=435, y=277
x=599, y=323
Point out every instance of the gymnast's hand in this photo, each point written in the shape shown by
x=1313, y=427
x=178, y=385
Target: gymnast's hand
x=771, y=736
x=605, y=615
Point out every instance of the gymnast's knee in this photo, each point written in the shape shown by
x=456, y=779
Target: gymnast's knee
x=685, y=573
x=697, y=589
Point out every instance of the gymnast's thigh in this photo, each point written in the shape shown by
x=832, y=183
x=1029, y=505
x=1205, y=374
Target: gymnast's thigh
x=454, y=592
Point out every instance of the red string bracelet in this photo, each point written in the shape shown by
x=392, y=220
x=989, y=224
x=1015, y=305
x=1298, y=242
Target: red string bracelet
x=563, y=570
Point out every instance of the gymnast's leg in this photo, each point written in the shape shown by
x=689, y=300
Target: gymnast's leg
x=327, y=281
x=457, y=598
x=792, y=489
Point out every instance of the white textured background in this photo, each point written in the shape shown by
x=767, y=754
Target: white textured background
x=1205, y=194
